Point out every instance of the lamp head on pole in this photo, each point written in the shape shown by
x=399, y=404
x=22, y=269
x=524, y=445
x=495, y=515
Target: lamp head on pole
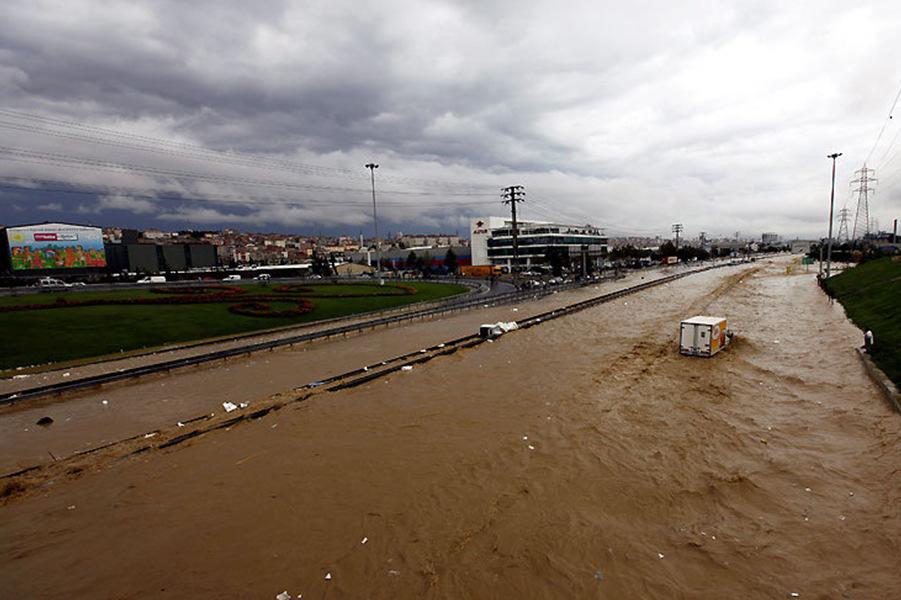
x=371, y=166
x=834, y=156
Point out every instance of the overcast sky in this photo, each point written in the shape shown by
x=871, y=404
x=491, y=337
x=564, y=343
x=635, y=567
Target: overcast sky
x=631, y=116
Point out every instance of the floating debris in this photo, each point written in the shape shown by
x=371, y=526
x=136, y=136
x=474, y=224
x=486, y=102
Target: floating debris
x=283, y=596
x=659, y=555
x=364, y=540
x=406, y=368
x=228, y=406
x=328, y=576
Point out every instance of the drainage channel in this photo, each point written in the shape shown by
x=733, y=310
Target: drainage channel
x=208, y=423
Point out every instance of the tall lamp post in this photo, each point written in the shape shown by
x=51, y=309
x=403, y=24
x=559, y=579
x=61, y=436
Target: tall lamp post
x=831, y=205
x=375, y=221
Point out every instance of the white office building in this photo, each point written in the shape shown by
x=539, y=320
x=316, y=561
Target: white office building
x=492, y=241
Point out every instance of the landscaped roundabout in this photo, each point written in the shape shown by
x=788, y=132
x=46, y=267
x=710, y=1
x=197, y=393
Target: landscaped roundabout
x=66, y=326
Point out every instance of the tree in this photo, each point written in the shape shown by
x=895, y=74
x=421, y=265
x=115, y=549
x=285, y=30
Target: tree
x=667, y=248
x=411, y=260
x=450, y=261
x=321, y=266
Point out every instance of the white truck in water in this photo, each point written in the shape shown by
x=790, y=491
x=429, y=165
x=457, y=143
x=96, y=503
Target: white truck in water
x=703, y=336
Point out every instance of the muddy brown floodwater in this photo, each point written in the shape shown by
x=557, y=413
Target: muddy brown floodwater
x=583, y=458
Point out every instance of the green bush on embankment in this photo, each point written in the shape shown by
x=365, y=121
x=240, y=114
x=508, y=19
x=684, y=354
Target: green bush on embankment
x=71, y=333
x=871, y=295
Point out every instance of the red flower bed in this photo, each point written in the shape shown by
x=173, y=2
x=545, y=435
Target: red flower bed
x=263, y=309
x=199, y=290
x=396, y=290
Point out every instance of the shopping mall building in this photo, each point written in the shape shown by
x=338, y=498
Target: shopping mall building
x=492, y=241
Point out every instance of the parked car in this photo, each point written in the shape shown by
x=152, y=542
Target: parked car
x=263, y=277
x=232, y=278
x=50, y=282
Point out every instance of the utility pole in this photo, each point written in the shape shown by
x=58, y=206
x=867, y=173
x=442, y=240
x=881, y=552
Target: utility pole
x=831, y=207
x=375, y=221
x=511, y=195
x=677, y=229
x=862, y=217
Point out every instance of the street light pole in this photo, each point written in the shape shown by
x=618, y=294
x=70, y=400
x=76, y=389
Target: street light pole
x=831, y=206
x=375, y=221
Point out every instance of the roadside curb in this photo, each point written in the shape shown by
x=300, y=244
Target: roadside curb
x=888, y=388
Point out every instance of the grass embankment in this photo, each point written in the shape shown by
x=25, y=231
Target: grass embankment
x=871, y=295
x=35, y=337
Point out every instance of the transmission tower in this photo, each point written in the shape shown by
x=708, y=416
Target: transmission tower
x=863, y=179
x=511, y=195
x=844, y=217
x=677, y=230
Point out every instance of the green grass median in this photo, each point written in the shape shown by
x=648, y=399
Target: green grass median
x=71, y=332
x=871, y=295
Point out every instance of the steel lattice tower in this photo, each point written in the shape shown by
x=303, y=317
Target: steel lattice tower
x=844, y=216
x=862, y=217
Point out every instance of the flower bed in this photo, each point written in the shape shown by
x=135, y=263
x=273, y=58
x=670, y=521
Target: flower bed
x=264, y=309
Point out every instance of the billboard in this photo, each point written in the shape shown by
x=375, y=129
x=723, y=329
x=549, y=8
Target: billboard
x=55, y=246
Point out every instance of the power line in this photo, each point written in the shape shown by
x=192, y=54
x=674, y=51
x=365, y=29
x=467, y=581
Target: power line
x=223, y=199
x=881, y=130
x=194, y=151
x=69, y=161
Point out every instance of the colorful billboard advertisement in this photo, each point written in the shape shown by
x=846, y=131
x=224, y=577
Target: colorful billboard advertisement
x=55, y=246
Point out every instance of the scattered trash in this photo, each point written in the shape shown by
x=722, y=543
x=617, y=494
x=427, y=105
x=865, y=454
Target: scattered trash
x=515, y=310
x=599, y=575
x=850, y=493
x=794, y=594
x=180, y=424
x=14, y=396
x=66, y=374
x=775, y=341
x=441, y=345
x=274, y=425
x=406, y=368
x=841, y=517
x=808, y=490
x=531, y=447
x=525, y=437
x=283, y=596
x=316, y=384
x=228, y=406
x=149, y=435
x=71, y=507
x=659, y=555
x=364, y=540
x=21, y=376
x=393, y=572
x=104, y=402
x=328, y=576
x=45, y=421
x=422, y=351
x=365, y=369
x=243, y=404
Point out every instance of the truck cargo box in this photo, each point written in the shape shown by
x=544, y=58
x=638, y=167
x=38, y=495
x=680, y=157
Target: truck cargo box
x=703, y=336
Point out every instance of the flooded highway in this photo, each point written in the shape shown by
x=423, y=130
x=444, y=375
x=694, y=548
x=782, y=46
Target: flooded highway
x=94, y=417
x=582, y=458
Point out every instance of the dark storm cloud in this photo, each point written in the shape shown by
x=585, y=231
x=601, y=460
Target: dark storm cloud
x=618, y=113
